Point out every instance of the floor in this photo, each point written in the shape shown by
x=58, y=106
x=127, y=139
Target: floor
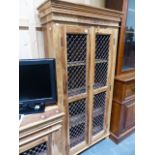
x=108, y=147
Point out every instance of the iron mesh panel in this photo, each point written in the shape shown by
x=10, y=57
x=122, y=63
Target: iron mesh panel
x=101, y=70
x=102, y=46
x=76, y=47
x=77, y=119
x=37, y=150
x=76, y=58
x=101, y=56
x=98, y=112
x=76, y=80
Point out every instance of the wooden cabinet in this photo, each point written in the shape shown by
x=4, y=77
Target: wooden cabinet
x=123, y=109
x=39, y=133
x=83, y=39
x=122, y=121
x=126, y=44
x=129, y=118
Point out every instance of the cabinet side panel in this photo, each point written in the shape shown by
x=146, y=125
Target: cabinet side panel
x=112, y=74
x=115, y=117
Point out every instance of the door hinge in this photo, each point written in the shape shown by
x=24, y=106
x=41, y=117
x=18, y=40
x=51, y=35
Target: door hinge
x=62, y=42
x=114, y=41
x=110, y=87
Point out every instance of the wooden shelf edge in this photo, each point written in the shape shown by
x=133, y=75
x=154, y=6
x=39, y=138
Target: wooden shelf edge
x=132, y=98
x=35, y=120
x=125, y=77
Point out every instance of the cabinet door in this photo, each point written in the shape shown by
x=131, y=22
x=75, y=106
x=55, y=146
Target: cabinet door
x=129, y=119
x=37, y=147
x=100, y=81
x=87, y=74
x=76, y=47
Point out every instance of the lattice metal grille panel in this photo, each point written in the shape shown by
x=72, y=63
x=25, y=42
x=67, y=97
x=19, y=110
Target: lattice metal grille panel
x=101, y=70
x=77, y=121
x=37, y=150
x=98, y=112
x=76, y=58
x=76, y=47
x=102, y=57
x=76, y=80
x=102, y=46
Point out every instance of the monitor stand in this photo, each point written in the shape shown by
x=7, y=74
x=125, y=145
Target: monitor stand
x=31, y=108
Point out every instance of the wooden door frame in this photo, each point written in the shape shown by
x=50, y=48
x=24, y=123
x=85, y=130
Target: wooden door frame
x=67, y=29
x=121, y=44
x=106, y=89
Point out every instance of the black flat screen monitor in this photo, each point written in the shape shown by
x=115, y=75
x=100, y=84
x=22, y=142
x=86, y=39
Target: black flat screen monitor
x=37, y=81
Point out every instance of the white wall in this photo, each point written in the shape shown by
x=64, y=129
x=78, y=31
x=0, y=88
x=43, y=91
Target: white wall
x=98, y=3
x=31, y=40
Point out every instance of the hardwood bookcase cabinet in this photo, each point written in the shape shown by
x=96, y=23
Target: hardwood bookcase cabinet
x=83, y=40
x=123, y=109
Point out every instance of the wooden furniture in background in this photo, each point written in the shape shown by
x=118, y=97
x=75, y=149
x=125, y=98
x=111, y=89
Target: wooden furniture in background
x=123, y=109
x=126, y=44
x=122, y=119
x=83, y=40
x=39, y=133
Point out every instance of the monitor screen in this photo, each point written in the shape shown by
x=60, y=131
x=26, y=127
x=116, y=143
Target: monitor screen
x=36, y=80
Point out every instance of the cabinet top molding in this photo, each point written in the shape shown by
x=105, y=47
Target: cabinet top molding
x=62, y=11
